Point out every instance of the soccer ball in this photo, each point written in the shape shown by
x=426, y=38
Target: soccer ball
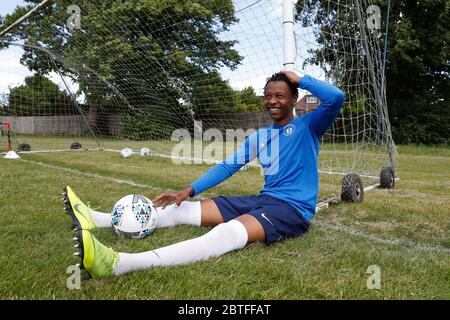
x=134, y=216
x=126, y=153
x=145, y=152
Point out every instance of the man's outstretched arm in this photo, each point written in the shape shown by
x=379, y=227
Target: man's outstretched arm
x=217, y=174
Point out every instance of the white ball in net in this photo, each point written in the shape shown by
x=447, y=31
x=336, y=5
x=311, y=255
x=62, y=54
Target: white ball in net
x=126, y=153
x=145, y=152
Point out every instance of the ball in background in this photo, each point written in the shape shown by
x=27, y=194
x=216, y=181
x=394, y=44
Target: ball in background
x=126, y=153
x=145, y=152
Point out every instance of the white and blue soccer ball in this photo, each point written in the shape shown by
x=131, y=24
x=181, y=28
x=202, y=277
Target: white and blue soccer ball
x=134, y=216
x=126, y=153
x=145, y=152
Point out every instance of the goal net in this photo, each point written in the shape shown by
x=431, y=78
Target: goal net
x=148, y=73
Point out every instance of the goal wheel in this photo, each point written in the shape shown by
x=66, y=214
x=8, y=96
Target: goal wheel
x=75, y=145
x=352, y=188
x=387, y=177
x=24, y=147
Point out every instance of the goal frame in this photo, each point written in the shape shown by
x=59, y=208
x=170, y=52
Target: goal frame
x=289, y=54
x=8, y=133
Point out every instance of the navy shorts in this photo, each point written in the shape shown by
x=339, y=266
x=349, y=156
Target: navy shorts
x=279, y=220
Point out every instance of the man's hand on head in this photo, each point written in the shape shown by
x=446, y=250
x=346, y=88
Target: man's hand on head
x=292, y=76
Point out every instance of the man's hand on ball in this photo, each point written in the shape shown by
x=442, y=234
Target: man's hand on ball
x=166, y=198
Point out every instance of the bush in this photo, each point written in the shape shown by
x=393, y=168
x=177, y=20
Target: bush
x=141, y=127
x=431, y=131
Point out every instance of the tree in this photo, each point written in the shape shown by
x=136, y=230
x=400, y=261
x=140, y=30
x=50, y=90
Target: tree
x=4, y=111
x=212, y=96
x=417, y=69
x=132, y=52
x=39, y=97
x=248, y=101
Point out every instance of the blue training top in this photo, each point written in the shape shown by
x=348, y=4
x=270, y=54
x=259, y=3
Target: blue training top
x=288, y=154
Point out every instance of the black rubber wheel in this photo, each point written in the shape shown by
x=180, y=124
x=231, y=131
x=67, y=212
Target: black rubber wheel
x=24, y=147
x=75, y=145
x=387, y=177
x=352, y=188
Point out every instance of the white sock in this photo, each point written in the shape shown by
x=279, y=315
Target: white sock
x=101, y=219
x=187, y=213
x=221, y=239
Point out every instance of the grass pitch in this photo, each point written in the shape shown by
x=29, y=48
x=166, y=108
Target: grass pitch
x=404, y=231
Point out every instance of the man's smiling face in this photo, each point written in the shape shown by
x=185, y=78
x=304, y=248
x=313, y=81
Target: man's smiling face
x=279, y=101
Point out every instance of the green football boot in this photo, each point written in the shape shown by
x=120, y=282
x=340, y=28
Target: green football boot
x=80, y=213
x=97, y=259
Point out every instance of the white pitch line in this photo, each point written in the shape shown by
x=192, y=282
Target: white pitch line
x=97, y=176
x=52, y=151
x=395, y=242
x=368, y=188
x=250, y=164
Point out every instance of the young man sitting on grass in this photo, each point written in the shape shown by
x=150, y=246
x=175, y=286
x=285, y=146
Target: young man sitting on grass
x=283, y=209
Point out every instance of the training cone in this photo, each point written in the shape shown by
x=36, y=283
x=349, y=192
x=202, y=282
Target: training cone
x=11, y=155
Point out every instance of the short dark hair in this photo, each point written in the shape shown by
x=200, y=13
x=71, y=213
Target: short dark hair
x=282, y=77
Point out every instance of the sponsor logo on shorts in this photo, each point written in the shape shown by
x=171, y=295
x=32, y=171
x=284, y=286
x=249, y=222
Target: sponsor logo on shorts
x=264, y=216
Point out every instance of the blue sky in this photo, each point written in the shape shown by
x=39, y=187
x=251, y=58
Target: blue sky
x=260, y=42
x=12, y=72
x=7, y=6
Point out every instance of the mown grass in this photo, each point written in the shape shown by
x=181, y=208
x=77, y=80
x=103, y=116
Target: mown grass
x=327, y=263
